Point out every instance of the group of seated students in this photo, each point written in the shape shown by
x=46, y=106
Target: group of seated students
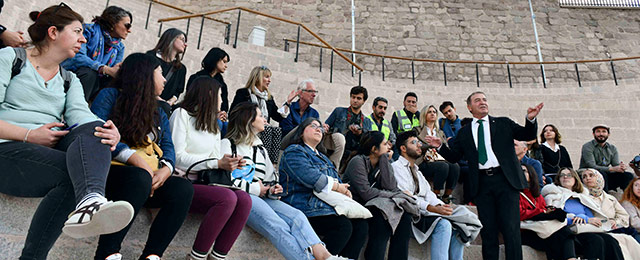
x=114, y=136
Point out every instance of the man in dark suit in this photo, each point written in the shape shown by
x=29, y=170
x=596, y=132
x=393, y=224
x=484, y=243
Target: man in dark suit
x=495, y=175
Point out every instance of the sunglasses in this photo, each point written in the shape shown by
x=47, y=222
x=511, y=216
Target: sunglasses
x=61, y=5
x=127, y=25
x=263, y=67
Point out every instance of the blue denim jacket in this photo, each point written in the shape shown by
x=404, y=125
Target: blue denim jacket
x=338, y=121
x=302, y=171
x=102, y=107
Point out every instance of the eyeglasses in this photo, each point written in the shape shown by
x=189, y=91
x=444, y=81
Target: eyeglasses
x=317, y=127
x=310, y=91
x=416, y=142
x=566, y=175
x=127, y=25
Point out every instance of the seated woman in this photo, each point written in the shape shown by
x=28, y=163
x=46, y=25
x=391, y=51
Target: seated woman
x=370, y=175
x=99, y=58
x=616, y=216
x=66, y=165
x=432, y=164
x=305, y=170
x=560, y=243
x=196, y=132
x=257, y=91
x=567, y=193
x=214, y=64
x=144, y=159
x=631, y=202
x=286, y=227
x=169, y=50
x=554, y=155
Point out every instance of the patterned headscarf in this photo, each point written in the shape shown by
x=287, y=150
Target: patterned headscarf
x=599, y=189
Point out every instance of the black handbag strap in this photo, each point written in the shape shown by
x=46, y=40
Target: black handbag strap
x=233, y=150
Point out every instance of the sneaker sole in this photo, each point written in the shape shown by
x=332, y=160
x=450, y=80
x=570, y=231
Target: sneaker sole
x=110, y=218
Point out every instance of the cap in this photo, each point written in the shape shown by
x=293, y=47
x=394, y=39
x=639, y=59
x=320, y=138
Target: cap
x=600, y=126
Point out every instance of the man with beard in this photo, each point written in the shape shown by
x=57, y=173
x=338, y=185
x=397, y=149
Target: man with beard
x=378, y=123
x=349, y=121
x=450, y=123
x=603, y=156
x=444, y=244
x=495, y=174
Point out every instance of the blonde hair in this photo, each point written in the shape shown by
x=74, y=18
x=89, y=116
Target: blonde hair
x=423, y=117
x=255, y=78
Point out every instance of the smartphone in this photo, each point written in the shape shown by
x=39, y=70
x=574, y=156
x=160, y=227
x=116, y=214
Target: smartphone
x=71, y=127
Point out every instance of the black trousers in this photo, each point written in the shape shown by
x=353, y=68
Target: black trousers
x=613, y=180
x=341, y=236
x=598, y=246
x=560, y=245
x=441, y=172
x=91, y=82
x=499, y=211
x=133, y=184
x=379, y=234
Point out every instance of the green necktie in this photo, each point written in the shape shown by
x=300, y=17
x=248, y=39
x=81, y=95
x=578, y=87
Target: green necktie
x=482, y=149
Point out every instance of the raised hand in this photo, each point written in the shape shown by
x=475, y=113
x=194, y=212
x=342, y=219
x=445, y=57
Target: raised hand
x=433, y=141
x=532, y=112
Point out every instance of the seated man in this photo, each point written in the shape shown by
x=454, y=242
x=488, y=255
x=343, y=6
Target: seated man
x=451, y=123
x=378, y=123
x=350, y=122
x=407, y=118
x=603, y=156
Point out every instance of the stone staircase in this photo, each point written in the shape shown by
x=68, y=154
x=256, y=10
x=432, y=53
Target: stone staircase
x=574, y=110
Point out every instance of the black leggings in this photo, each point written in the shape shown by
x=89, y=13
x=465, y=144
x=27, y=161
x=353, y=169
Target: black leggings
x=379, y=234
x=342, y=236
x=133, y=184
x=560, y=245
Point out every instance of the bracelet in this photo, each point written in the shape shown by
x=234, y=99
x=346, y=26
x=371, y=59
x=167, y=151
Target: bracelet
x=26, y=136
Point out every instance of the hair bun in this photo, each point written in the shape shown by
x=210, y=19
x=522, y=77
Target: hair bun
x=34, y=15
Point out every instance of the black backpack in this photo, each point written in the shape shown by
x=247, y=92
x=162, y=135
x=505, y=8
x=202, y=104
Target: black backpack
x=19, y=62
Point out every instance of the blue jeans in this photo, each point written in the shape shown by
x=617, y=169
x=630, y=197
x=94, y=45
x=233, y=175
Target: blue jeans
x=444, y=244
x=285, y=226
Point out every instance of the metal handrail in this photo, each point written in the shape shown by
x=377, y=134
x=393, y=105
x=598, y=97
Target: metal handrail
x=187, y=11
x=300, y=25
x=466, y=61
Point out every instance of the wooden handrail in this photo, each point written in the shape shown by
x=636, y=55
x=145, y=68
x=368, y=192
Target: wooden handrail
x=187, y=11
x=327, y=45
x=465, y=61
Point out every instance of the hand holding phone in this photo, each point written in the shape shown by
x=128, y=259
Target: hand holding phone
x=70, y=127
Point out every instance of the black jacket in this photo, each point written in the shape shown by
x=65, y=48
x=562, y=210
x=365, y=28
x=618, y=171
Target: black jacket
x=503, y=132
x=243, y=95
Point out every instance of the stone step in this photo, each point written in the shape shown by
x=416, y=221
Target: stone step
x=15, y=216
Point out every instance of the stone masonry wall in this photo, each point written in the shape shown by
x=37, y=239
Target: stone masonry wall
x=452, y=29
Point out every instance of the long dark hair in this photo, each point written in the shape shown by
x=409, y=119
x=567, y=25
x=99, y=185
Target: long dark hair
x=110, y=17
x=557, y=138
x=201, y=102
x=56, y=15
x=210, y=61
x=534, y=186
x=368, y=141
x=135, y=112
x=240, y=119
x=165, y=46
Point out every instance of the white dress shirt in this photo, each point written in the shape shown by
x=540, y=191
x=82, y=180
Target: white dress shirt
x=405, y=182
x=492, y=160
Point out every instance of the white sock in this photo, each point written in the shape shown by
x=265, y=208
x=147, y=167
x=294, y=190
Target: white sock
x=217, y=256
x=91, y=198
x=197, y=255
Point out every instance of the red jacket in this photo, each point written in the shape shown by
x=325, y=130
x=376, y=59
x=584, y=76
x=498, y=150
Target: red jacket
x=526, y=209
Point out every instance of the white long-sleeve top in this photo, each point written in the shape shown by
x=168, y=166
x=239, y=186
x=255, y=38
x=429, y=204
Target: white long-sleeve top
x=192, y=145
x=264, y=168
x=405, y=181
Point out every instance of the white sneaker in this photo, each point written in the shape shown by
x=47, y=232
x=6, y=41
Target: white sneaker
x=152, y=257
x=114, y=256
x=337, y=257
x=98, y=218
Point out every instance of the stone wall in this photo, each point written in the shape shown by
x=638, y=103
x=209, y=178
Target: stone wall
x=455, y=30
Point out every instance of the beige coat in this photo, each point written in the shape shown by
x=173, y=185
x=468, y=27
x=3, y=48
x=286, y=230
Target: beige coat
x=422, y=133
x=612, y=209
x=634, y=214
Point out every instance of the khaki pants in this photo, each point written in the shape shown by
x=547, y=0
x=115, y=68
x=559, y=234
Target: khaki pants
x=336, y=143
